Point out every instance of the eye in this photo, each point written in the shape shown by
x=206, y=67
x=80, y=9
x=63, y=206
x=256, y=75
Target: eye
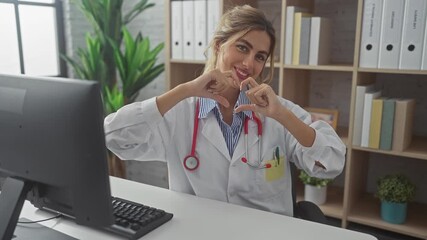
x=261, y=57
x=242, y=48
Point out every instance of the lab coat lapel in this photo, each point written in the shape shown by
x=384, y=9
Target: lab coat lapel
x=212, y=132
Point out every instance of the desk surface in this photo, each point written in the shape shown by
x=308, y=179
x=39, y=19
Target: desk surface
x=201, y=218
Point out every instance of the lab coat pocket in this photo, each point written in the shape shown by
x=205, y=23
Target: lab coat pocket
x=272, y=181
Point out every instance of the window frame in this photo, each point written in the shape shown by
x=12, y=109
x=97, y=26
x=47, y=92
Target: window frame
x=59, y=15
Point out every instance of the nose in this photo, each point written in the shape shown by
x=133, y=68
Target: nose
x=248, y=61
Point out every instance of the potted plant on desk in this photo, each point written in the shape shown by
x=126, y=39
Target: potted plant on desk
x=315, y=189
x=395, y=191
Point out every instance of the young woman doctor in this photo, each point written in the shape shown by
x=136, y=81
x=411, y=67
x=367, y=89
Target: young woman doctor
x=226, y=135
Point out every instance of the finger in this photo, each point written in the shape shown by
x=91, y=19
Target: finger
x=245, y=107
x=255, y=95
x=221, y=100
x=216, y=86
x=261, y=97
x=235, y=79
x=232, y=79
x=249, y=82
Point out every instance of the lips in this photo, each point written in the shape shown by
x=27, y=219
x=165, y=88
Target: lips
x=241, y=74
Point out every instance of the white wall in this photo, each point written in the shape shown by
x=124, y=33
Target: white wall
x=149, y=23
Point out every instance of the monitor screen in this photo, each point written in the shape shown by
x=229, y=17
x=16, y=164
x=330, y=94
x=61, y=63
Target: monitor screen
x=52, y=150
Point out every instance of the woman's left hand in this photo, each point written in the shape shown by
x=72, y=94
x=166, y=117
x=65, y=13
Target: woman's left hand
x=263, y=98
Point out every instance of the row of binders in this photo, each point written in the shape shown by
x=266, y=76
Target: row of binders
x=307, y=38
x=193, y=23
x=394, y=34
x=380, y=122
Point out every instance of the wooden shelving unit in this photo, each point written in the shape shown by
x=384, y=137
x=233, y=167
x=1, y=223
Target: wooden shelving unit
x=352, y=202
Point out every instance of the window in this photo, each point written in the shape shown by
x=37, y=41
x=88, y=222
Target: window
x=32, y=37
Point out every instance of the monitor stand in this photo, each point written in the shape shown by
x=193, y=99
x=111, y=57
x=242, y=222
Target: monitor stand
x=12, y=197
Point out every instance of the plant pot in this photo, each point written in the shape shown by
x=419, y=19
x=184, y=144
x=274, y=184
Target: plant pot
x=393, y=212
x=315, y=194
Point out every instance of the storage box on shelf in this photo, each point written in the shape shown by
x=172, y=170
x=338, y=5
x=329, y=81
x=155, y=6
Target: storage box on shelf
x=349, y=201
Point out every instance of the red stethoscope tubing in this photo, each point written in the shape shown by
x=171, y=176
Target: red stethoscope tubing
x=191, y=161
x=188, y=164
x=259, y=132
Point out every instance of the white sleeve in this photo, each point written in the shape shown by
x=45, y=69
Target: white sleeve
x=327, y=148
x=133, y=132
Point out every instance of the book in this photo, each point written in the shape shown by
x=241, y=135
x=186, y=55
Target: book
x=403, y=124
x=387, y=122
x=367, y=110
x=188, y=29
x=358, y=112
x=375, y=126
x=320, y=41
x=371, y=27
x=297, y=36
x=305, y=41
x=176, y=29
x=412, y=34
x=289, y=34
x=391, y=32
x=200, y=29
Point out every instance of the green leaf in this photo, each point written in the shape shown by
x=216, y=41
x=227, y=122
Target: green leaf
x=136, y=10
x=318, y=182
x=395, y=188
x=111, y=52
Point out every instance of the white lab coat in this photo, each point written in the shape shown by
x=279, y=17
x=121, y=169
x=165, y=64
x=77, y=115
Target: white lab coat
x=139, y=132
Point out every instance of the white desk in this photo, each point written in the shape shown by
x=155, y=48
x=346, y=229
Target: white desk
x=199, y=218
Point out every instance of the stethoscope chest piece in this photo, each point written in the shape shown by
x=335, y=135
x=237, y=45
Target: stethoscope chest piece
x=191, y=162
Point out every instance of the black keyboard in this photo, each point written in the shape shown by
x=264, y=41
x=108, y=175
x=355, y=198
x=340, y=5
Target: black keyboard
x=134, y=220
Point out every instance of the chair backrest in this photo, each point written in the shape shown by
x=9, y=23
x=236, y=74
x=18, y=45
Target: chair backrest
x=304, y=209
x=294, y=178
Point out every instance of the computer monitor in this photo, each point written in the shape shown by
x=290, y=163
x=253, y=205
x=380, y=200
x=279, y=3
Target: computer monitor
x=52, y=150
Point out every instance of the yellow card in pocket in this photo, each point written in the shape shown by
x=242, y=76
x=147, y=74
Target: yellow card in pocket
x=276, y=171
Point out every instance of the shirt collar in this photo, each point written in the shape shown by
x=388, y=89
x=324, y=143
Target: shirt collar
x=207, y=105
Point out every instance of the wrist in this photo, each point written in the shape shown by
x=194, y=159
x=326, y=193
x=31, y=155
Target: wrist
x=182, y=91
x=282, y=114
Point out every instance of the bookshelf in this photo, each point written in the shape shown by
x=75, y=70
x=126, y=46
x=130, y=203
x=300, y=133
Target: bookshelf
x=350, y=201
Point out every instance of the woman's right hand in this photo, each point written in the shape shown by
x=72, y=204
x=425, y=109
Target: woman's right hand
x=212, y=84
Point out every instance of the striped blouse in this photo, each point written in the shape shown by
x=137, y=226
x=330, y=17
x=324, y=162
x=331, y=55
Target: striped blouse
x=231, y=133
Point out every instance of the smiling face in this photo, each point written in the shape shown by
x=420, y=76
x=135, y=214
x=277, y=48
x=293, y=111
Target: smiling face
x=246, y=56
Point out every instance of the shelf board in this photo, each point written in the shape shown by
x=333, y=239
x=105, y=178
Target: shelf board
x=417, y=149
x=367, y=212
x=335, y=67
x=276, y=64
x=393, y=71
x=201, y=62
x=333, y=207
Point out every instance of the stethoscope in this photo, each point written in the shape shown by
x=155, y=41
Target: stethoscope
x=192, y=162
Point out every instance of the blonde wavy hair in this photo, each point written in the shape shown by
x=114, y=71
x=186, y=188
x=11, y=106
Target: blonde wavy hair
x=233, y=25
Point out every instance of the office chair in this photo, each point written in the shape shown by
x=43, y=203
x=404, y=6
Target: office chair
x=304, y=209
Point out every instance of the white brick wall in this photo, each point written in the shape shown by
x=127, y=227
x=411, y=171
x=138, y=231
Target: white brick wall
x=149, y=23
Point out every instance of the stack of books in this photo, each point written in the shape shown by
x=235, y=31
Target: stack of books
x=381, y=122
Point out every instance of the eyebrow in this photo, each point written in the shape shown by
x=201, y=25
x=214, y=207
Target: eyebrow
x=250, y=46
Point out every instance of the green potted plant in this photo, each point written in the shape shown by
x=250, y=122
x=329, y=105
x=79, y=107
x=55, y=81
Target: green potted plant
x=315, y=189
x=395, y=191
x=123, y=64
